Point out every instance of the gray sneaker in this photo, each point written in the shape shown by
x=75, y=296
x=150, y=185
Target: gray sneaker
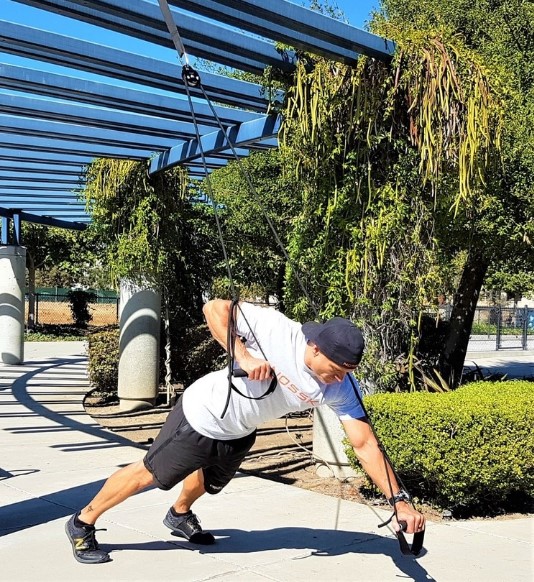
x=84, y=545
x=187, y=526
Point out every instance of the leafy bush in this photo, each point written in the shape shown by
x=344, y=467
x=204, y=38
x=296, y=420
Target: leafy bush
x=49, y=332
x=471, y=450
x=103, y=361
x=196, y=354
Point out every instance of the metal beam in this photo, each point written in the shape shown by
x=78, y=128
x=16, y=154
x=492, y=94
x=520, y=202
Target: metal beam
x=14, y=176
x=296, y=26
x=53, y=129
x=217, y=141
x=111, y=96
x=104, y=118
x=13, y=198
x=65, y=146
x=82, y=55
x=70, y=158
x=46, y=220
x=27, y=185
x=44, y=206
x=201, y=38
x=24, y=167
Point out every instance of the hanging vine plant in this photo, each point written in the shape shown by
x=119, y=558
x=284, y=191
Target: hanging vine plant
x=383, y=151
x=153, y=236
x=136, y=215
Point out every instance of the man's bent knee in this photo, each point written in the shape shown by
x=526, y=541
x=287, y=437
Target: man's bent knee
x=141, y=474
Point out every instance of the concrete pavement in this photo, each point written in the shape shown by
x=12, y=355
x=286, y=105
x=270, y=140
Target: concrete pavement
x=512, y=363
x=53, y=458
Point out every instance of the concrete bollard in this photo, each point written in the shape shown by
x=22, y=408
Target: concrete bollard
x=12, y=283
x=140, y=317
x=328, y=435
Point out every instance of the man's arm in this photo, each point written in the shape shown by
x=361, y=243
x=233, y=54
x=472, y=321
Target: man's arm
x=365, y=447
x=217, y=314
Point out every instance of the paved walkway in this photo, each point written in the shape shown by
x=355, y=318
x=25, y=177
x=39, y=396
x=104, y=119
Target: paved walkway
x=53, y=458
x=512, y=363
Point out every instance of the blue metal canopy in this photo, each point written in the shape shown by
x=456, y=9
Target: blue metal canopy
x=65, y=101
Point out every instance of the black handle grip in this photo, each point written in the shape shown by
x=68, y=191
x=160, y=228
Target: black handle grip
x=403, y=525
x=240, y=374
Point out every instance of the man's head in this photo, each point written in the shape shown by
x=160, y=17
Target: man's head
x=334, y=348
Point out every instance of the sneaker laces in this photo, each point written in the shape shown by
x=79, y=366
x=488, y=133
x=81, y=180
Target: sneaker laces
x=193, y=521
x=90, y=538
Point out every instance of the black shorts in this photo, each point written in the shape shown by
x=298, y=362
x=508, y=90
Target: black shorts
x=179, y=450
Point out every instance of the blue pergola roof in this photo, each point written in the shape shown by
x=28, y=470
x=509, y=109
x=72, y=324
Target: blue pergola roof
x=66, y=101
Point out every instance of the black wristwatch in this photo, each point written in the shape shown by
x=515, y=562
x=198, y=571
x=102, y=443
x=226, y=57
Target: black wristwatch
x=402, y=495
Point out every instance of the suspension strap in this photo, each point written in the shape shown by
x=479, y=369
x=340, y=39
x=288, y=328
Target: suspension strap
x=231, y=338
x=191, y=78
x=418, y=537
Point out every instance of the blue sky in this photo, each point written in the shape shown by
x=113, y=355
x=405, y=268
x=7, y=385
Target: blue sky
x=356, y=11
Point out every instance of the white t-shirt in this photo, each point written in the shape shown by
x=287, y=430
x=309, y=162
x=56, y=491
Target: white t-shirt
x=283, y=344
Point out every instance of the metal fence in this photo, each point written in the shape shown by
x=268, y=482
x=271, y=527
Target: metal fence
x=494, y=328
x=498, y=328
x=54, y=308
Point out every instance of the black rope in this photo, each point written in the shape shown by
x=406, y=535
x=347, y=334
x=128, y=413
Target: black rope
x=191, y=78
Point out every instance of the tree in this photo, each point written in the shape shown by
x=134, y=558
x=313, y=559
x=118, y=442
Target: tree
x=153, y=235
x=498, y=225
x=380, y=151
x=249, y=194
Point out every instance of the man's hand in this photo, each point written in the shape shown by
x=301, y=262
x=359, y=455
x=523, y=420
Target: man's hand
x=256, y=368
x=414, y=520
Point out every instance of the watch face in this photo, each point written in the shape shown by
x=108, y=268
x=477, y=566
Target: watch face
x=400, y=496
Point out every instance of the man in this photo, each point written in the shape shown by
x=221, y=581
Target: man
x=209, y=432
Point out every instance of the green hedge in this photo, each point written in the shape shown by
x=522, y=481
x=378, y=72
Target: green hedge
x=103, y=361
x=471, y=450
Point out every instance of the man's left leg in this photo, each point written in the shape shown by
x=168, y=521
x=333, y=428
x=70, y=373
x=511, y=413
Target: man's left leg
x=192, y=489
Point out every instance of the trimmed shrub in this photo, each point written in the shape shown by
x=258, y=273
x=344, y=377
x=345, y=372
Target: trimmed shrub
x=471, y=450
x=103, y=361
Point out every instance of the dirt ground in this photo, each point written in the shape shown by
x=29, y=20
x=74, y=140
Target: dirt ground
x=59, y=313
x=282, y=451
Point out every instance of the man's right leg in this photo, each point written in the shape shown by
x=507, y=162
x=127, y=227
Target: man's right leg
x=80, y=527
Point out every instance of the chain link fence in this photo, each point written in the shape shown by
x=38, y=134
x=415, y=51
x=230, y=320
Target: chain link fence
x=497, y=328
x=494, y=328
x=54, y=309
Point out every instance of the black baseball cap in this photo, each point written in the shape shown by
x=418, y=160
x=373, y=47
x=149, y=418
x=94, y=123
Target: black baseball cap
x=338, y=339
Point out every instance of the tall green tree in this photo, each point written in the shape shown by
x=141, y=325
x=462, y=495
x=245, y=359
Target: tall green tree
x=154, y=234
x=378, y=151
x=497, y=228
x=252, y=196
